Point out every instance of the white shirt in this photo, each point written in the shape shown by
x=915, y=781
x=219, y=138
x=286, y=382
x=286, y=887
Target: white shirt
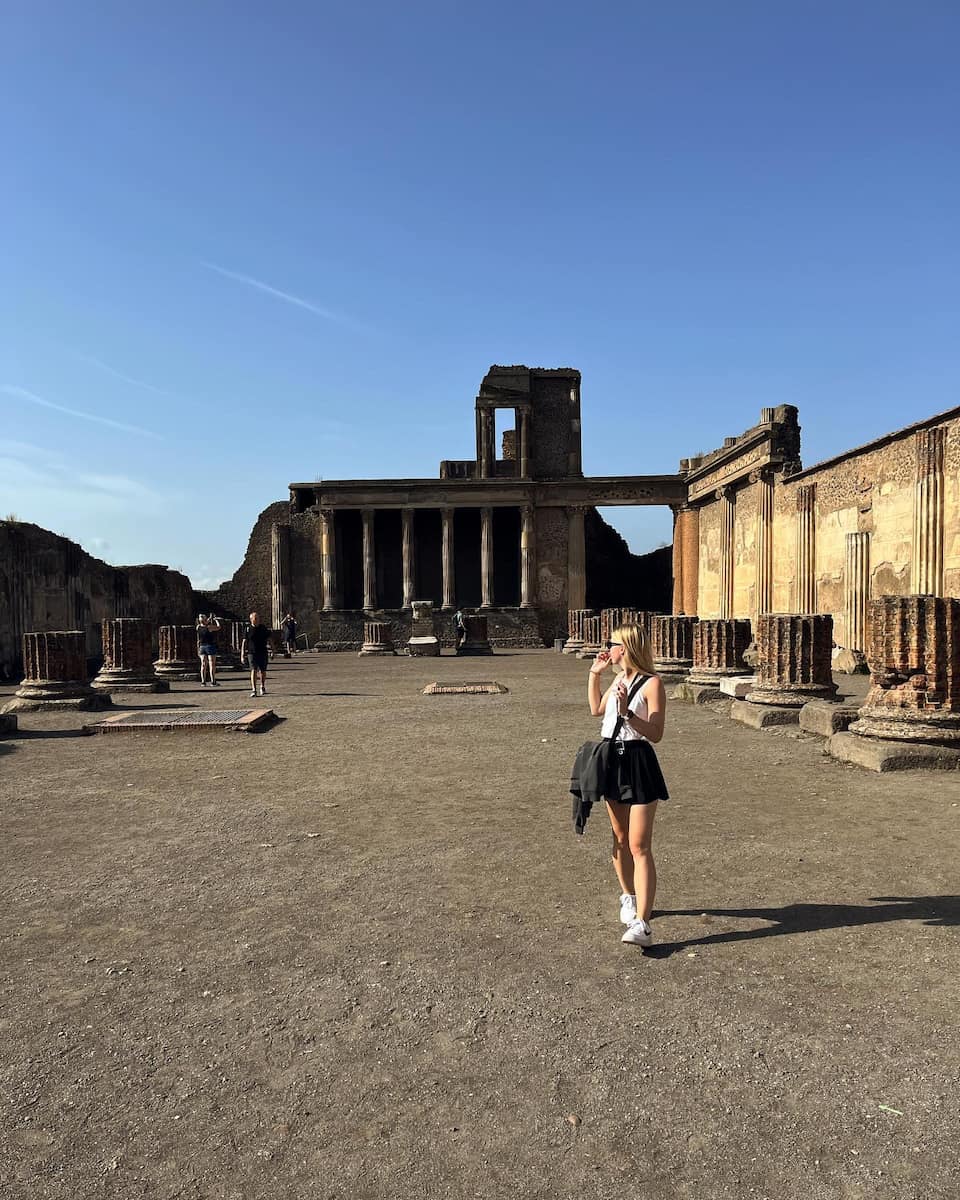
x=638, y=706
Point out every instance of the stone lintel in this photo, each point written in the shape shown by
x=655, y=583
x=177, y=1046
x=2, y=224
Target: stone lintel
x=879, y=754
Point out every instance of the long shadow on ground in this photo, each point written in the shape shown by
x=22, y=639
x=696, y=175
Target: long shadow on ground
x=808, y=918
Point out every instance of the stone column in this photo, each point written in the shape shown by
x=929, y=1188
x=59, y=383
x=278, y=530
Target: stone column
x=408, y=557
x=486, y=557
x=279, y=573
x=528, y=555
x=763, y=591
x=794, y=659
x=806, y=548
x=55, y=670
x=914, y=659
x=179, y=658
x=856, y=590
x=718, y=649
x=686, y=560
x=328, y=558
x=128, y=657
x=369, y=562
x=591, y=637
x=673, y=644
x=377, y=639
x=575, y=620
x=727, y=512
x=486, y=444
x=229, y=640
x=928, y=519
x=449, y=570
x=576, y=558
x=523, y=432
x=613, y=618
x=476, y=640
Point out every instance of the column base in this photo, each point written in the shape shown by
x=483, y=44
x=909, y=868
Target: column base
x=896, y=726
x=129, y=681
x=47, y=699
x=881, y=754
x=787, y=697
x=177, y=669
x=696, y=693
x=825, y=718
x=573, y=645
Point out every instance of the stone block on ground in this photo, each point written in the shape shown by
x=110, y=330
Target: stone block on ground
x=762, y=716
x=8, y=724
x=880, y=754
x=825, y=719
x=737, y=686
x=696, y=693
x=423, y=647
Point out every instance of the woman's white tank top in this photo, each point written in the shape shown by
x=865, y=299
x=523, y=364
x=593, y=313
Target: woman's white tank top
x=638, y=706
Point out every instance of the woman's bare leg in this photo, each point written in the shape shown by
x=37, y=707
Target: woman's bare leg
x=641, y=850
x=212, y=667
x=622, y=857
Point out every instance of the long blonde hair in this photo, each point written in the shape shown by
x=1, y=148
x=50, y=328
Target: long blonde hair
x=637, y=650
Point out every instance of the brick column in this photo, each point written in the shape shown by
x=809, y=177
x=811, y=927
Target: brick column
x=576, y=558
x=928, y=513
x=806, y=560
x=718, y=649
x=673, y=643
x=279, y=573
x=377, y=639
x=613, y=618
x=856, y=590
x=686, y=560
x=128, y=657
x=794, y=659
x=476, y=640
x=727, y=516
x=914, y=657
x=449, y=578
x=55, y=670
x=591, y=637
x=575, y=620
x=528, y=555
x=369, y=562
x=328, y=558
x=228, y=644
x=178, y=653
x=486, y=557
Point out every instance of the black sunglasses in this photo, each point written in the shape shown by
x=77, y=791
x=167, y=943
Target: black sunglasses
x=610, y=645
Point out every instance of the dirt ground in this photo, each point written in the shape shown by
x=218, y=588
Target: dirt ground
x=364, y=955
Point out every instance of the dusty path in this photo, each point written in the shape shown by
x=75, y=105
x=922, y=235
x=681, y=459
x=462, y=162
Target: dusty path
x=364, y=955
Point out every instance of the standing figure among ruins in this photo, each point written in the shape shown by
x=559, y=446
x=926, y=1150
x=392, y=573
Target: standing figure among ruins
x=255, y=647
x=633, y=709
x=459, y=629
x=208, y=626
x=289, y=635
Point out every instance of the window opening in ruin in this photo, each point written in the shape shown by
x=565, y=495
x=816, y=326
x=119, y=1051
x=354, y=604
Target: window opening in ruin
x=466, y=553
x=619, y=578
x=388, y=543
x=506, y=441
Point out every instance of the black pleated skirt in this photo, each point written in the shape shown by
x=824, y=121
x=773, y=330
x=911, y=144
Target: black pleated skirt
x=634, y=777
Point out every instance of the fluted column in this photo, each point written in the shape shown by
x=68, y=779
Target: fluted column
x=673, y=643
x=686, y=560
x=794, y=659
x=369, y=561
x=279, y=573
x=928, y=513
x=718, y=650
x=486, y=557
x=55, y=669
x=576, y=558
x=856, y=590
x=377, y=639
x=523, y=432
x=613, y=618
x=408, y=557
x=128, y=657
x=807, y=548
x=449, y=582
x=763, y=591
x=328, y=558
x=486, y=437
x=727, y=512
x=528, y=555
x=575, y=627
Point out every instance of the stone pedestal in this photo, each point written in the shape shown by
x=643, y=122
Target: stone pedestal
x=914, y=659
x=377, y=639
x=128, y=657
x=673, y=644
x=476, y=640
x=718, y=649
x=55, y=666
x=794, y=660
x=423, y=642
x=575, y=620
x=178, y=653
x=591, y=638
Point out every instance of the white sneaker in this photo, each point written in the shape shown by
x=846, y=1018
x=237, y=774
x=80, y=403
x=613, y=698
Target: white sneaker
x=638, y=933
x=253, y=693
x=628, y=909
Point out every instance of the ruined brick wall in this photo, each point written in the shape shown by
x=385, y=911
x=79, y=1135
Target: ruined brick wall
x=552, y=572
x=48, y=583
x=555, y=422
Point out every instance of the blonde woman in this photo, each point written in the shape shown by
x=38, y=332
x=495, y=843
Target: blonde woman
x=633, y=709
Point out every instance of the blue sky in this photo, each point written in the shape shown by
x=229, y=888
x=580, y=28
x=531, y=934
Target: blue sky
x=245, y=245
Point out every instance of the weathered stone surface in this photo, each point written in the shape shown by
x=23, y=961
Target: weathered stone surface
x=614, y=618
x=915, y=671
x=673, y=644
x=476, y=641
x=8, y=724
x=795, y=652
x=423, y=647
x=718, y=648
x=825, y=719
x=761, y=716
x=128, y=657
x=575, y=632
x=850, y=662
x=751, y=656
x=738, y=686
x=882, y=754
x=591, y=638
x=377, y=639
x=178, y=653
x=696, y=693
x=56, y=674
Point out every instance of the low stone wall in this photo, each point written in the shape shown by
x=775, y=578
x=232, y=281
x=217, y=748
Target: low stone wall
x=507, y=628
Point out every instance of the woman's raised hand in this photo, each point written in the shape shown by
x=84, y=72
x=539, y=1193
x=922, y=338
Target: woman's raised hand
x=600, y=663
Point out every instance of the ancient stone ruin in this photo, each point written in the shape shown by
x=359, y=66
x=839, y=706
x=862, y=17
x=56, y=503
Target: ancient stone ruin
x=56, y=674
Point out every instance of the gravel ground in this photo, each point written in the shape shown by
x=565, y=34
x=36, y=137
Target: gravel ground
x=364, y=955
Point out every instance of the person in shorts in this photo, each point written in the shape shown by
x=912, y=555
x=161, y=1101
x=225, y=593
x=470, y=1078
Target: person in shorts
x=208, y=627
x=634, y=783
x=289, y=627
x=255, y=648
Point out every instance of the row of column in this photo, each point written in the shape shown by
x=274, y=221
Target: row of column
x=328, y=555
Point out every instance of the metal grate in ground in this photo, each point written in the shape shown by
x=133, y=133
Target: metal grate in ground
x=485, y=688
x=234, y=719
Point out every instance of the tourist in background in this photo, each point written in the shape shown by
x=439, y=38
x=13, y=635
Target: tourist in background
x=255, y=648
x=208, y=627
x=289, y=626
x=459, y=629
x=633, y=709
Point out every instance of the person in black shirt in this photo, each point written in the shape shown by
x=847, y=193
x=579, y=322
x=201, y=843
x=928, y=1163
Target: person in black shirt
x=255, y=648
x=289, y=635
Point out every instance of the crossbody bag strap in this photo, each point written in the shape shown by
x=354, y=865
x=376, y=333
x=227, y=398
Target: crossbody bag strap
x=637, y=685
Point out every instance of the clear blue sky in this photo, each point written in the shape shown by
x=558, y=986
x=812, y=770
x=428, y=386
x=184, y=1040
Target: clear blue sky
x=246, y=244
